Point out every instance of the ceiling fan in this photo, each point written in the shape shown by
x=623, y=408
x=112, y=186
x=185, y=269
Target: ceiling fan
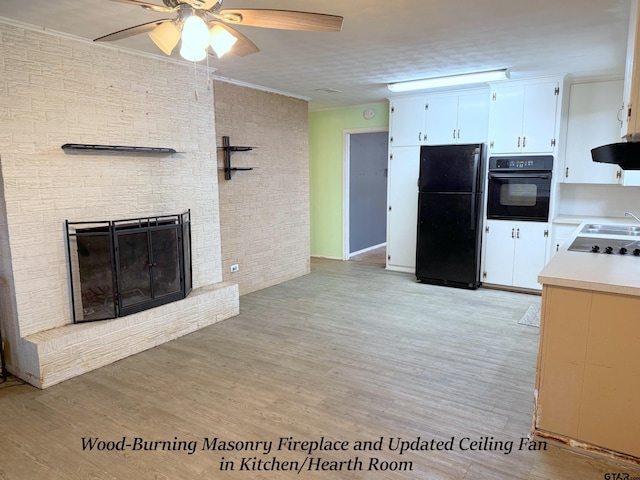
x=203, y=23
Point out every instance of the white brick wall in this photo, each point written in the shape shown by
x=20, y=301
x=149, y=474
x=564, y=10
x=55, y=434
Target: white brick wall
x=57, y=90
x=264, y=212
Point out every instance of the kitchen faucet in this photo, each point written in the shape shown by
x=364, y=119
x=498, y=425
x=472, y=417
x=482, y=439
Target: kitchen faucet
x=629, y=214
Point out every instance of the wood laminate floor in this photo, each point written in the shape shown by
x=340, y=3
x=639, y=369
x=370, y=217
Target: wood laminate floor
x=377, y=256
x=350, y=353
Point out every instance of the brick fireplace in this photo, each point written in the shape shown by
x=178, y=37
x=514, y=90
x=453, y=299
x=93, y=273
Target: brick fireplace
x=58, y=90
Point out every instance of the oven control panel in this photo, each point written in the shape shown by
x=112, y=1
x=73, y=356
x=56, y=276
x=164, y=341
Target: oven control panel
x=538, y=163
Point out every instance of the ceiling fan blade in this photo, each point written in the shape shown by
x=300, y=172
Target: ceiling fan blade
x=148, y=6
x=282, y=19
x=243, y=45
x=131, y=31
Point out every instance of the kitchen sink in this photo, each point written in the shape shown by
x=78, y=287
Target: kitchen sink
x=596, y=229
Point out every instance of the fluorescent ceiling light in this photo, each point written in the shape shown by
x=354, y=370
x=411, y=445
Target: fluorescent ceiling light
x=450, y=81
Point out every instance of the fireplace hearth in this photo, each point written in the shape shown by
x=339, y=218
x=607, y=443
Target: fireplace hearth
x=120, y=267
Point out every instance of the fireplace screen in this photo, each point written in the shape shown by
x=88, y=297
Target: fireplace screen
x=125, y=266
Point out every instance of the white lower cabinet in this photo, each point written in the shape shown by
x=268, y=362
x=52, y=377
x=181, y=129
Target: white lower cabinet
x=402, y=208
x=560, y=233
x=514, y=253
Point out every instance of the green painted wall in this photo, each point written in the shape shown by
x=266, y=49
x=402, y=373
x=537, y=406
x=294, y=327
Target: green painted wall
x=326, y=138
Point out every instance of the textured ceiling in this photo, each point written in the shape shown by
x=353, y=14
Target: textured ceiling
x=382, y=42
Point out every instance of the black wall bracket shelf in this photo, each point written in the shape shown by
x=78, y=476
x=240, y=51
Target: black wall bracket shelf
x=227, y=157
x=72, y=147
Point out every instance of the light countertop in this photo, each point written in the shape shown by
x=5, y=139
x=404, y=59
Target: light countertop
x=599, y=272
x=578, y=219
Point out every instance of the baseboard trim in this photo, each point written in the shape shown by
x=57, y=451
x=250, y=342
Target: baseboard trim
x=325, y=257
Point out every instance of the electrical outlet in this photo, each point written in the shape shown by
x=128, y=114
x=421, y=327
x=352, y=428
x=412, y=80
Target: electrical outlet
x=235, y=267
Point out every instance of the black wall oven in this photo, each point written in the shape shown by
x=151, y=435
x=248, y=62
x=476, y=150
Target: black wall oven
x=519, y=188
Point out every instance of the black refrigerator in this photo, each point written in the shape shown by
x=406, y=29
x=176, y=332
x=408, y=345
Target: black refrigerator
x=450, y=215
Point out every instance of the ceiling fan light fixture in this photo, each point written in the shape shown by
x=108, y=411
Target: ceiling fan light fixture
x=195, y=33
x=166, y=36
x=192, y=54
x=221, y=40
x=449, y=81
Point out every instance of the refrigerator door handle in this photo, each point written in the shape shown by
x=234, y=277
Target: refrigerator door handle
x=474, y=190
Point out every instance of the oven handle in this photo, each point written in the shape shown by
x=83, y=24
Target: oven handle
x=544, y=176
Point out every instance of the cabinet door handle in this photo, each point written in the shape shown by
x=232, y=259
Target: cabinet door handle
x=454, y=133
x=458, y=133
x=620, y=115
x=420, y=136
x=566, y=172
x=519, y=142
x=524, y=142
x=518, y=233
x=512, y=233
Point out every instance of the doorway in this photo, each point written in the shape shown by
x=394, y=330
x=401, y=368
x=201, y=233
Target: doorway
x=365, y=195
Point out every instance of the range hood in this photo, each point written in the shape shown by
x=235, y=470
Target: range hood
x=624, y=154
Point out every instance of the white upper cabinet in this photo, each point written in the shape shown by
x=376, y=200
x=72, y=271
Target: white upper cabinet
x=593, y=121
x=439, y=119
x=473, y=118
x=459, y=119
x=442, y=120
x=539, y=117
x=407, y=121
x=505, y=119
x=523, y=117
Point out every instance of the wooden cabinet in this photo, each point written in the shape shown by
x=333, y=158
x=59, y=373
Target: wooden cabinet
x=588, y=380
x=407, y=121
x=514, y=253
x=523, y=117
x=630, y=108
x=402, y=208
x=593, y=120
x=630, y=128
x=457, y=119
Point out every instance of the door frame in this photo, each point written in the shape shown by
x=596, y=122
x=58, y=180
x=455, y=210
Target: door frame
x=346, y=166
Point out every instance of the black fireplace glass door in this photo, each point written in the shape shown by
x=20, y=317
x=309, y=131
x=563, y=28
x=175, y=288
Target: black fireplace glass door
x=186, y=249
x=96, y=275
x=134, y=281
x=121, y=267
x=165, y=257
